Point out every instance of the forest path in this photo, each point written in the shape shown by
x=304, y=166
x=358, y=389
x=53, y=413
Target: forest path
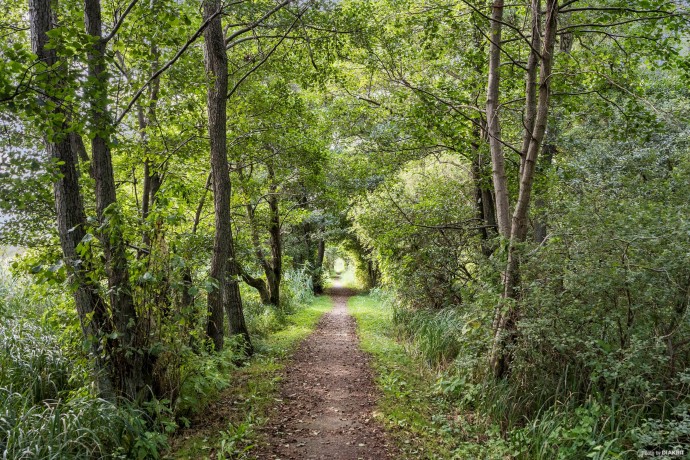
x=328, y=397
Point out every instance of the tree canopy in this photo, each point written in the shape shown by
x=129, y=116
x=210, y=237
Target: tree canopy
x=512, y=177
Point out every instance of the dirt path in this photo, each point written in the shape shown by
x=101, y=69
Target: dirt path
x=328, y=397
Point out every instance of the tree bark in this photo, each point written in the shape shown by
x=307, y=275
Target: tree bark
x=217, y=70
x=269, y=290
x=275, y=274
x=257, y=283
x=152, y=177
x=540, y=224
x=71, y=219
x=263, y=287
x=493, y=122
x=317, y=277
x=483, y=198
x=531, y=82
x=233, y=307
x=222, y=260
x=78, y=147
x=493, y=131
x=373, y=273
x=540, y=122
x=506, y=325
x=133, y=367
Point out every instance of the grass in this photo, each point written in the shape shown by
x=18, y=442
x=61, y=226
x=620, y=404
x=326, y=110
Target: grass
x=413, y=407
x=47, y=406
x=433, y=410
x=229, y=430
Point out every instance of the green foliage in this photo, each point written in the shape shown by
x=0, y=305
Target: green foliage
x=203, y=377
x=47, y=407
x=234, y=441
x=418, y=406
x=439, y=336
x=80, y=428
x=296, y=293
x=298, y=289
x=589, y=431
x=358, y=123
x=421, y=241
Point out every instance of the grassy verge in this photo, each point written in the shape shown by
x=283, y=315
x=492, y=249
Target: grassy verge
x=229, y=428
x=412, y=407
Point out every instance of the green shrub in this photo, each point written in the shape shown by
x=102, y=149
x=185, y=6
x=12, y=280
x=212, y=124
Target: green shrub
x=203, y=376
x=261, y=319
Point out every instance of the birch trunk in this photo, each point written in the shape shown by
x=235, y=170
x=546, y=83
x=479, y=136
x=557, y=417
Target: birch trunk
x=506, y=323
x=493, y=122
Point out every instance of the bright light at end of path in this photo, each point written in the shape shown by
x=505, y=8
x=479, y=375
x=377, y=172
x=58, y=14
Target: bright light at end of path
x=339, y=265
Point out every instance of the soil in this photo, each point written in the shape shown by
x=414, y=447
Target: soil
x=328, y=397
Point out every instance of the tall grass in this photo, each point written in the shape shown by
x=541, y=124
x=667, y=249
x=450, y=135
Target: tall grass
x=434, y=334
x=298, y=288
x=33, y=362
x=562, y=416
x=440, y=336
x=81, y=427
x=47, y=406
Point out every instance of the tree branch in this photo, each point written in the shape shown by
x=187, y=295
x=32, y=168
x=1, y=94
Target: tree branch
x=257, y=22
x=262, y=61
x=120, y=21
x=167, y=65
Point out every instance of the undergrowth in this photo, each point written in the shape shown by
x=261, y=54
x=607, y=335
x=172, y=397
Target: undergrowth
x=49, y=407
x=414, y=405
x=437, y=409
x=254, y=386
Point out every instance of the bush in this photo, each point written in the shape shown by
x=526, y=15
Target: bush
x=398, y=226
x=203, y=376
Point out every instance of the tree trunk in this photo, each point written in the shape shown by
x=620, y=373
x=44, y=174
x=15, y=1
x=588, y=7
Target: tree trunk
x=71, y=219
x=132, y=366
x=373, y=273
x=78, y=147
x=493, y=131
x=540, y=224
x=531, y=82
x=217, y=70
x=152, y=177
x=493, y=122
x=317, y=276
x=227, y=296
x=233, y=306
x=275, y=274
x=483, y=198
x=506, y=326
x=273, y=269
x=263, y=287
x=257, y=283
x=536, y=138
